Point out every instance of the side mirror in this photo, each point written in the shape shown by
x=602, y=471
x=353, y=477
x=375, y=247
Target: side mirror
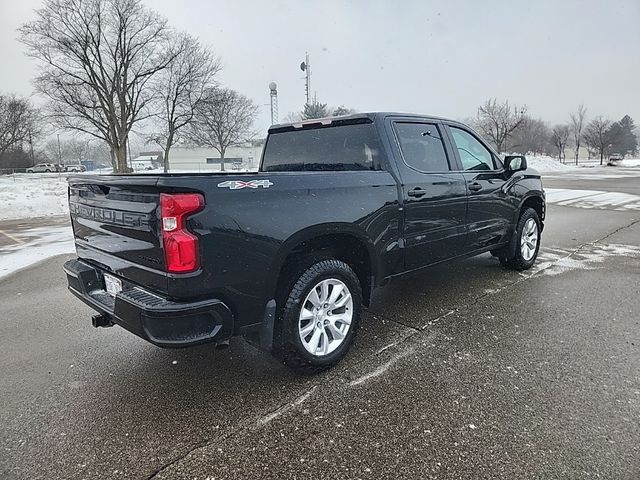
x=515, y=163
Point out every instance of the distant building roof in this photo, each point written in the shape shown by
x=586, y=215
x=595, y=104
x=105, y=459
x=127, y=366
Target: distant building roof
x=156, y=155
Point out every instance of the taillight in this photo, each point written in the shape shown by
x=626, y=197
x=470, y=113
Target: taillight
x=181, y=248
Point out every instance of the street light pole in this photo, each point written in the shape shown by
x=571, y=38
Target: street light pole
x=273, y=89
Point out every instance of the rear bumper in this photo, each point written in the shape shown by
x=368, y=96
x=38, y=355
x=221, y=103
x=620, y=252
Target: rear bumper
x=156, y=319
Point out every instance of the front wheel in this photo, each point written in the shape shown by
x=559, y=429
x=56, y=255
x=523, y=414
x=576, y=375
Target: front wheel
x=320, y=316
x=527, y=236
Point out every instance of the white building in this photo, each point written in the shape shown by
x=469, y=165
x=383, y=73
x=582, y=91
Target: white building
x=194, y=159
x=146, y=161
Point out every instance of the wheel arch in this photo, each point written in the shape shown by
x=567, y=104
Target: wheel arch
x=344, y=241
x=535, y=200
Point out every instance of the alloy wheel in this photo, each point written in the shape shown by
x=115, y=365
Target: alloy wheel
x=325, y=317
x=529, y=239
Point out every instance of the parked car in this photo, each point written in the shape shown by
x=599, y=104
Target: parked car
x=42, y=168
x=615, y=159
x=75, y=168
x=288, y=256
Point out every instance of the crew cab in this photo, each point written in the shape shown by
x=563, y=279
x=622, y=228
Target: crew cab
x=288, y=256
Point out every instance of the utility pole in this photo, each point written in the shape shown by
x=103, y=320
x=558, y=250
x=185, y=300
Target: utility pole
x=306, y=67
x=59, y=152
x=31, y=147
x=273, y=89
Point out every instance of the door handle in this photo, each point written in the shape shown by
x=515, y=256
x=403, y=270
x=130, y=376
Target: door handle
x=475, y=186
x=416, y=192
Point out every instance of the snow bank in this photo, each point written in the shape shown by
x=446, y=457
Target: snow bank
x=547, y=164
x=631, y=162
x=25, y=195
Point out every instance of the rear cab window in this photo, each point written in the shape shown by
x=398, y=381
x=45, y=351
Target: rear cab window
x=422, y=146
x=342, y=147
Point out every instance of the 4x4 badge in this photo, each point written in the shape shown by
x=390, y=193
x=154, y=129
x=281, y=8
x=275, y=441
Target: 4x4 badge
x=238, y=184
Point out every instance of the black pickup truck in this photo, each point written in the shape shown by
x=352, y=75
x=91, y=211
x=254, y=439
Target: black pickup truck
x=288, y=256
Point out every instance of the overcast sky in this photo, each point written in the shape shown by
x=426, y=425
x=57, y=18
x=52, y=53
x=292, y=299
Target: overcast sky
x=441, y=58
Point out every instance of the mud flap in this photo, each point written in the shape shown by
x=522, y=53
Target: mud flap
x=266, y=330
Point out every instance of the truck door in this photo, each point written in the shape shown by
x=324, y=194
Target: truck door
x=433, y=191
x=490, y=210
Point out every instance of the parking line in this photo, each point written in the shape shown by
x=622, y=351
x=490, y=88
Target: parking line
x=11, y=237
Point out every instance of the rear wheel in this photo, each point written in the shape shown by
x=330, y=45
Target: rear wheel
x=320, y=316
x=527, y=242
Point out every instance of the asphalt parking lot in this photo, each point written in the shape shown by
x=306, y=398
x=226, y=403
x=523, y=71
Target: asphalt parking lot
x=462, y=371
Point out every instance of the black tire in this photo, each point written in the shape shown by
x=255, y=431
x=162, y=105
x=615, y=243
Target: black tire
x=288, y=345
x=29, y=171
x=47, y=171
x=517, y=261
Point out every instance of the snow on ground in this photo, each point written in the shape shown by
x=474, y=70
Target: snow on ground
x=547, y=164
x=589, y=169
x=35, y=245
x=555, y=261
x=26, y=195
x=593, y=199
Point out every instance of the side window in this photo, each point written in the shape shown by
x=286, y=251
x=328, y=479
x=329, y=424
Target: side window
x=473, y=155
x=422, y=147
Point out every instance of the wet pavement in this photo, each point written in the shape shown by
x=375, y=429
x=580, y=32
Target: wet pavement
x=462, y=371
x=26, y=230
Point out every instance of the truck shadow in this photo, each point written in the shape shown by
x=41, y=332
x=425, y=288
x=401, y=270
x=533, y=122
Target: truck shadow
x=415, y=299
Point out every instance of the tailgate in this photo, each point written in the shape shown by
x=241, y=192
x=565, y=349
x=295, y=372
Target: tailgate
x=116, y=226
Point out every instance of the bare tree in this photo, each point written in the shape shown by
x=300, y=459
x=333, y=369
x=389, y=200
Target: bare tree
x=497, y=121
x=223, y=119
x=596, y=136
x=180, y=88
x=99, y=153
x=17, y=123
x=72, y=150
x=559, y=139
x=97, y=59
x=292, y=117
x=52, y=152
x=577, y=120
x=531, y=136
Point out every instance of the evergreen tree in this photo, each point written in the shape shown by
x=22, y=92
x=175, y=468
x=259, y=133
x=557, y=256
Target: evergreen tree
x=342, y=110
x=622, y=137
x=314, y=109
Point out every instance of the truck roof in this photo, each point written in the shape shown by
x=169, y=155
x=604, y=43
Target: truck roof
x=373, y=116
